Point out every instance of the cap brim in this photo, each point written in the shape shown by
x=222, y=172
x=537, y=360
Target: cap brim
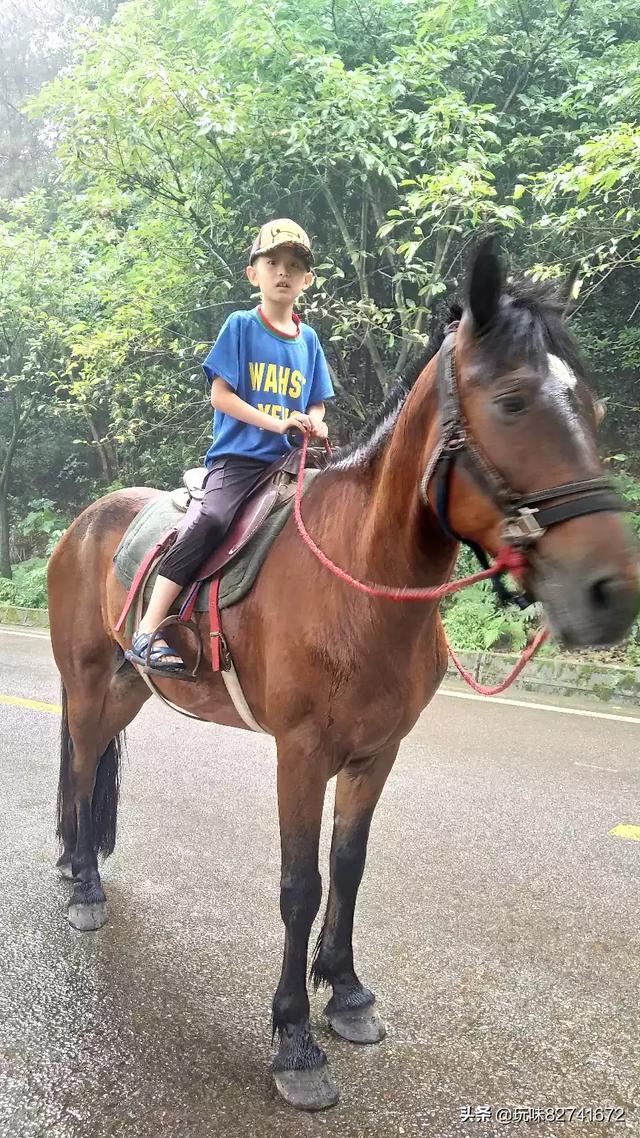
x=305, y=253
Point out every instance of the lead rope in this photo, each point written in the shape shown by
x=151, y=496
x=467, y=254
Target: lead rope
x=508, y=560
x=527, y=655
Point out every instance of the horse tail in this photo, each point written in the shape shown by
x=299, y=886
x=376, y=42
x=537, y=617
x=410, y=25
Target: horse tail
x=106, y=792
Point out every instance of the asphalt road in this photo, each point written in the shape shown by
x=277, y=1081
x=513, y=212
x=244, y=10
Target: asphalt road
x=497, y=922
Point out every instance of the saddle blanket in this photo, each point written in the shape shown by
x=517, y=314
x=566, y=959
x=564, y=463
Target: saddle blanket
x=238, y=575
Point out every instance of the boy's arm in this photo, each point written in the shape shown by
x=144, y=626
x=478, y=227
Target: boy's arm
x=224, y=398
x=321, y=389
x=316, y=413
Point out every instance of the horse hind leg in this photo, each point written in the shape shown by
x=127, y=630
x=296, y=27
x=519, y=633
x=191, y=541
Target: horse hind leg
x=351, y=1011
x=98, y=702
x=106, y=785
x=66, y=831
x=96, y=710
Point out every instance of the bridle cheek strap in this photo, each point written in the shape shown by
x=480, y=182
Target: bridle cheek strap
x=526, y=517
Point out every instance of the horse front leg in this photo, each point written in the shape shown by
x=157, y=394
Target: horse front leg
x=300, y=1068
x=351, y=1011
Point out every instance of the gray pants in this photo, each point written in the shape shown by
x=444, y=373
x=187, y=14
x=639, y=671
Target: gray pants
x=227, y=485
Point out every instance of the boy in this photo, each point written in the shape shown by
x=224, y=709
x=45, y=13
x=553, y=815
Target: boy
x=267, y=373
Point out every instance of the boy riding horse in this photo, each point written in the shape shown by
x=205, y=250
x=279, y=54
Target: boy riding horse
x=267, y=373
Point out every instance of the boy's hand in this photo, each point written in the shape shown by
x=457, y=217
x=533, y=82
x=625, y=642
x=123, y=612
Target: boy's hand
x=299, y=421
x=319, y=430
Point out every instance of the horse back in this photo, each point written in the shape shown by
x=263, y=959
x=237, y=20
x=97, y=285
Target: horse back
x=81, y=580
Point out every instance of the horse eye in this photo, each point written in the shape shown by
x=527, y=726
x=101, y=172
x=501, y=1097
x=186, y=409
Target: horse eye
x=512, y=404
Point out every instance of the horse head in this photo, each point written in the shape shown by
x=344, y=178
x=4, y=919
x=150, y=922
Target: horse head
x=516, y=461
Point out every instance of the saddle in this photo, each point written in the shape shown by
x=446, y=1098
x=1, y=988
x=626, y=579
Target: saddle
x=275, y=490
x=276, y=486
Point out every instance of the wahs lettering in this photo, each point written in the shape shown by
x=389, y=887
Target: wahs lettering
x=276, y=379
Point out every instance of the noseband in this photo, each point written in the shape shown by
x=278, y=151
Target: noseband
x=526, y=517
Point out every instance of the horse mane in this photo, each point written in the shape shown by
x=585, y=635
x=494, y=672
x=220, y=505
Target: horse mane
x=529, y=325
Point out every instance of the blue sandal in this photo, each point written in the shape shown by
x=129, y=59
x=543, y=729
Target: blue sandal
x=139, y=651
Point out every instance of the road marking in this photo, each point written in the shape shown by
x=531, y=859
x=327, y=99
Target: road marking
x=34, y=704
x=44, y=635
x=624, y=831
x=594, y=767
x=607, y=715
x=540, y=706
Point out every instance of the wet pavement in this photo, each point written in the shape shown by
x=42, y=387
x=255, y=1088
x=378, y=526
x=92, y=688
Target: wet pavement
x=497, y=922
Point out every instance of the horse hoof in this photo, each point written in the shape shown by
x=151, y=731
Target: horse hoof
x=307, y=1090
x=87, y=918
x=357, y=1025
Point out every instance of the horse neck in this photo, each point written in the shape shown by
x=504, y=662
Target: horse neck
x=398, y=541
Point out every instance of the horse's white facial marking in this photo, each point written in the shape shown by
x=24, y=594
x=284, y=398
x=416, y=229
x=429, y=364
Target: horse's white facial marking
x=561, y=372
x=558, y=385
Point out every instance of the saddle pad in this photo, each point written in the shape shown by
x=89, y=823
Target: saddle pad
x=160, y=515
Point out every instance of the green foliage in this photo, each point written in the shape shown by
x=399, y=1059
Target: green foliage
x=474, y=620
x=396, y=130
x=629, y=488
x=28, y=587
x=42, y=526
x=7, y=591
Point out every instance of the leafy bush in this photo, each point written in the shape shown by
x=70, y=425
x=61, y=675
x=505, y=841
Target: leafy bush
x=473, y=619
x=28, y=588
x=38, y=531
x=7, y=592
x=629, y=488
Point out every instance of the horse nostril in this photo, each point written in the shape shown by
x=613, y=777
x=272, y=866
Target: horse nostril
x=609, y=592
x=602, y=592
x=598, y=607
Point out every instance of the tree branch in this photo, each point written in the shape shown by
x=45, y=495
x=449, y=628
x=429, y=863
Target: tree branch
x=358, y=264
x=523, y=77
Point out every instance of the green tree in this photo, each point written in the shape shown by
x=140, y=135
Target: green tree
x=395, y=130
x=33, y=283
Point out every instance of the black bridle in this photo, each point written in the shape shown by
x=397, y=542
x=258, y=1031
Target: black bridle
x=527, y=517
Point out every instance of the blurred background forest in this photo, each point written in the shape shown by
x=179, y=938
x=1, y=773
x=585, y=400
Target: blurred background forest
x=142, y=143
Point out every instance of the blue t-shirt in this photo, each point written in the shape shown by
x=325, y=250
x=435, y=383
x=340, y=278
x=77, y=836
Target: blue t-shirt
x=275, y=373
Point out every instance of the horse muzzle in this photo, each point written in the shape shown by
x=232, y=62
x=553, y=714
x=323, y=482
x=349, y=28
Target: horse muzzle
x=587, y=607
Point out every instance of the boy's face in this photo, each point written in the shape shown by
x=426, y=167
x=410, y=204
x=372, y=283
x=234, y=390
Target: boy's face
x=281, y=275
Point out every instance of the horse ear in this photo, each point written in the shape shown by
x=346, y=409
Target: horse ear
x=600, y=409
x=486, y=284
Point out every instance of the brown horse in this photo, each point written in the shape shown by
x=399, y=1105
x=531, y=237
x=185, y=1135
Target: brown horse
x=498, y=426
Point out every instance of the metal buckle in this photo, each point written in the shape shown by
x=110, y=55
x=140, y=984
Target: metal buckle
x=455, y=443
x=225, y=655
x=523, y=528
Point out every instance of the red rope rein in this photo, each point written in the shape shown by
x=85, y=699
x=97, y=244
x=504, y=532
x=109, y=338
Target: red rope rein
x=508, y=560
x=527, y=655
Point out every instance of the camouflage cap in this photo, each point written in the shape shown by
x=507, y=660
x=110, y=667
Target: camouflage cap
x=282, y=231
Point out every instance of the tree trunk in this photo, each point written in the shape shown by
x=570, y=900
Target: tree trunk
x=104, y=449
x=5, y=560
x=101, y=455
x=20, y=417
